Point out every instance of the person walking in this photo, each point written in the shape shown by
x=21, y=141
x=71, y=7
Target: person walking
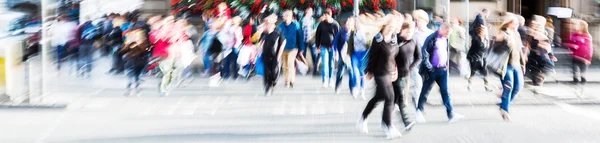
x=434, y=68
x=272, y=44
x=511, y=70
x=343, y=43
x=135, y=57
x=358, y=56
x=326, y=32
x=458, y=49
x=233, y=30
x=89, y=34
x=476, y=56
x=580, y=43
x=381, y=66
x=421, y=33
x=293, y=34
x=63, y=36
x=308, y=26
x=540, y=58
x=409, y=57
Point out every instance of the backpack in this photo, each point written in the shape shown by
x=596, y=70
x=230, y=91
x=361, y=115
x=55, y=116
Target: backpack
x=90, y=32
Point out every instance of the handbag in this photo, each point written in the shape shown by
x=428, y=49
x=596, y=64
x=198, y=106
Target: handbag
x=497, y=57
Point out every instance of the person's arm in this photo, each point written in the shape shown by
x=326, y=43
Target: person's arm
x=318, y=36
x=417, y=57
x=425, y=55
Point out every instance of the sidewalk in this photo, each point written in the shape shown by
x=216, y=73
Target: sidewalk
x=71, y=88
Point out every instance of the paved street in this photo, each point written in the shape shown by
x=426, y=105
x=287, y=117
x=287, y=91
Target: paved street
x=98, y=112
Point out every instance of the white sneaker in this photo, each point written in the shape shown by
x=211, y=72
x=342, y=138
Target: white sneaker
x=456, y=118
x=362, y=126
x=392, y=133
x=419, y=117
x=325, y=84
x=397, y=108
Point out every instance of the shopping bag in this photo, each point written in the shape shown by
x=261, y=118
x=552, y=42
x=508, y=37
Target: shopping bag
x=260, y=67
x=302, y=67
x=465, y=69
x=245, y=54
x=497, y=57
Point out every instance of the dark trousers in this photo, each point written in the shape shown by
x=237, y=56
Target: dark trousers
x=399, y=96
x=118, y=66
x=315, y=59
x=439, y=76
x=230, y=66
x=135, y=67
x=383, y=91
x=271, y=73
x=85, y=58
x=579, y=70
x=61, y=54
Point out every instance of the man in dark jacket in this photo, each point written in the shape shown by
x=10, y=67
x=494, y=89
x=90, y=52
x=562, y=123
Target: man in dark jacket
x=326, y=32
x=479, y=21
x=434, y=68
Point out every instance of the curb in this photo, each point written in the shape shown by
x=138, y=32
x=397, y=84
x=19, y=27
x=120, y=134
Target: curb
x=32, y=106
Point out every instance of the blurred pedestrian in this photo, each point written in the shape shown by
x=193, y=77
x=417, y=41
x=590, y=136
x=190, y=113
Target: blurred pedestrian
x=580, y=43
x=409, y=57
x=540, y=58
x=272, y=44
x=294, y=36
x=480, y=44
x=136, y=57
x=342, y=42
x=421, y=34
x=458, y=49
x=434, y=68
x=63, y=35
x=382, y=67
x=324, y=39
x=511, y=74
x=308, y=27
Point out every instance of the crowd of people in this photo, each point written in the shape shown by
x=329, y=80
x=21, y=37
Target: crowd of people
x=398, y=51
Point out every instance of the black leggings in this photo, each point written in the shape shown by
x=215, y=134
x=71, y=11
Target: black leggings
x=271, y=74
x=400, y=86
x=384, y=91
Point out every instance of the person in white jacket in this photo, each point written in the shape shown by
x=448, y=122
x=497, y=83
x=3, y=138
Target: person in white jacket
x=62, y=32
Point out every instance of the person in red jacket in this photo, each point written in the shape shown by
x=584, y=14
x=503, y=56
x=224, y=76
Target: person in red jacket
x=580, y=43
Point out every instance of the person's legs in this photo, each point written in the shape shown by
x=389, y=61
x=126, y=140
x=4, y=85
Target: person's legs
x=325, y=66
x=416, y=84
x=339, y=75
x=507, y=84
x=427, y=85
x=234, y=65
x=331, y=60
x=384, y=85
x=167, y=68
x=289, y=62
x=315, y=59
x=442, y=82
x=207, y=62
x=399, y=88
x=518, y=82
x=285, y=66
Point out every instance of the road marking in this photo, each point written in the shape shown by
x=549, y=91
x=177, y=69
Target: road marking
x=579, y=111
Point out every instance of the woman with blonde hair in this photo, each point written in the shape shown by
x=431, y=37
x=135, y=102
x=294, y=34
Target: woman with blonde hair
x=511, y=65
x=580, y=43
x=381, y=66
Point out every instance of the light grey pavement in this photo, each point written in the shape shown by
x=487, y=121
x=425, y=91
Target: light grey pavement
x=98, y=112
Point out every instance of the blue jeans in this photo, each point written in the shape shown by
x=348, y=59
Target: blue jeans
x=357, y=66
x=512, y=84
x=327, y=59
x=342, y=67
x=439, y=76
x=207, y=62
x=230, y=67
x=60, y=55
